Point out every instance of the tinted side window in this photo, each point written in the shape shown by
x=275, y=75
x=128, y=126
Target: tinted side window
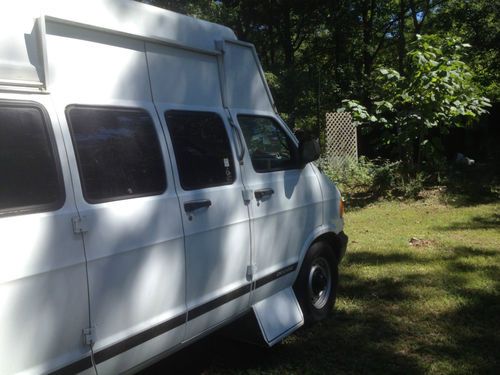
x=269, y=146
x=202, y=149
x=118, y=153
x=30, y=178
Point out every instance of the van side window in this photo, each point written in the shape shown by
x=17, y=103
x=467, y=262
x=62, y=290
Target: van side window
x=30, y=174
x=269, y=146
x=117, y=151
x=202, y=149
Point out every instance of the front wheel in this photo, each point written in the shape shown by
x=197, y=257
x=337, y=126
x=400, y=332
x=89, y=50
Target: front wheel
x=316, y=285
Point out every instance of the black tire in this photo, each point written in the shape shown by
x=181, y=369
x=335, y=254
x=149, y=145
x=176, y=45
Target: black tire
x=316, y=285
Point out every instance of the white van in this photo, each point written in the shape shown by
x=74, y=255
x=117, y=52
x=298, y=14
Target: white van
x=149, y=191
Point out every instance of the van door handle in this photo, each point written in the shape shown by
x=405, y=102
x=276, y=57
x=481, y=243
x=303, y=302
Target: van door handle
x=195, y=205
x=259, y=194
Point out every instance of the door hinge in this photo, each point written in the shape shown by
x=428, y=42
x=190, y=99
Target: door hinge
x=89, y=336
x=219, y=45
x=247, y=195
x=251, y=270
x=80, y=224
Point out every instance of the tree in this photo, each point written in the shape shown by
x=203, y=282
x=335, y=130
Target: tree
x=436, y=93
x=477, y=23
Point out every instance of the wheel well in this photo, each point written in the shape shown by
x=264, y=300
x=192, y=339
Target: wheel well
x=331, y=239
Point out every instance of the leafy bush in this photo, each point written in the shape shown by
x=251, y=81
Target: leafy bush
x=349, y=175
x=437, y=92
x=372, y=179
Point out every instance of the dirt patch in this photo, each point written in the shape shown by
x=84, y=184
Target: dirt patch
x=419, y=242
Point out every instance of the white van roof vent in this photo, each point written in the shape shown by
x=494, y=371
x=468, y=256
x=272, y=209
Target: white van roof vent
x=23, y=58
x=21, y=52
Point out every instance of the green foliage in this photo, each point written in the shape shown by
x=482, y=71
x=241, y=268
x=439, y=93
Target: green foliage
x=358, y=111
x=477, y=22
x=438, y=92
x=349, y=175
x=371, y=179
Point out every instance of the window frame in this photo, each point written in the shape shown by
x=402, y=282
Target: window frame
x=49, y=131
x=286, y=131
x=77, y=155
x=230, y=143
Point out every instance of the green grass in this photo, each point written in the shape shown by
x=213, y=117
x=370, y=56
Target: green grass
x=427, y=309
x=401, y=309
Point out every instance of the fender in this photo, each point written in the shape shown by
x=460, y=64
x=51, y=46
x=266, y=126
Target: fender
x=313, y=236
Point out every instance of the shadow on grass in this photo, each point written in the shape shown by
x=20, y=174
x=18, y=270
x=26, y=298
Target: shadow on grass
x=381, y=327
x=468, y=251
x=370, y=258
x=360, y=200
x=473, y=329
x=463, y=339
x=477, y=222
x=342, y=344
x=477, y=184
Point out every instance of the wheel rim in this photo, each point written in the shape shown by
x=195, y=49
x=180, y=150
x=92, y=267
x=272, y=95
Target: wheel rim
x=320, y=283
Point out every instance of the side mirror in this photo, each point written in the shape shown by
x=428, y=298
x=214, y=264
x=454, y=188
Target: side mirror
x=309, y=151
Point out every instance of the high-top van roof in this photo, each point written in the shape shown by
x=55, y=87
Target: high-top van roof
x=22, y=24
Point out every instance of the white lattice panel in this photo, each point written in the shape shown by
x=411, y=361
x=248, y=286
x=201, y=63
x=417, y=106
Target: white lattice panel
x=341, y=136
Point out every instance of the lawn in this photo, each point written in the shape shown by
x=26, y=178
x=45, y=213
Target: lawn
x=419, y=293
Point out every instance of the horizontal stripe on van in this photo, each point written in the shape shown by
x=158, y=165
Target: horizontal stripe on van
x=141, y=337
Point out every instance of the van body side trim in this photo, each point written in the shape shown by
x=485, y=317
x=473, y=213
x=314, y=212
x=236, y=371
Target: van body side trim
x=275, y=275
x=219, y=301
x=122, y=346
x=75, y=367
x=141, y=337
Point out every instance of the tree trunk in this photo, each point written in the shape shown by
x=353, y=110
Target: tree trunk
x=367, y=17
x=288, y=62
x=401, y=37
